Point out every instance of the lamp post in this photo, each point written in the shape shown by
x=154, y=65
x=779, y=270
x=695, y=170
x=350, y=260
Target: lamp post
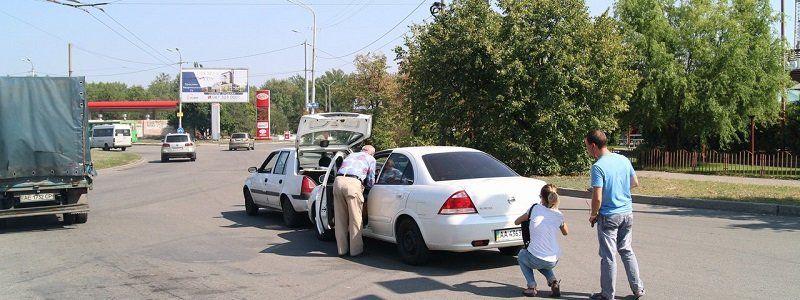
x=180, y=86
x=33, y=71
x=328, y=95
x=305, y=63
x=313, y=50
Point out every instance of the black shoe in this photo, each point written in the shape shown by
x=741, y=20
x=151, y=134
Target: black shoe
x=598, y=296
x=555, y=288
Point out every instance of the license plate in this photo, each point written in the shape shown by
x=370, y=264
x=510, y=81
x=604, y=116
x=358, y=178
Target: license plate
x=511, y=234
x=37, y=197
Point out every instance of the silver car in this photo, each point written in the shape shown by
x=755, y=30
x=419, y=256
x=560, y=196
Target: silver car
x=178, y=145
x=241, y=140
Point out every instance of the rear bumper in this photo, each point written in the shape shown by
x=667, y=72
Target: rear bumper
x=179, y=154
x=44, y=210
x=456, y=232
x=239, y=145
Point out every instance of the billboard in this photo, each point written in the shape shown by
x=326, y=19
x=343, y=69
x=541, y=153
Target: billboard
x=262, y=115
x=214, y=85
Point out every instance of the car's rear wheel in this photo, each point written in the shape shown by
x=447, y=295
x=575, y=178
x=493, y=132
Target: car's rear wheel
x=249, y=206
x=123, y=148
x=410, y=243
x=68, y=219
x=510, y=251
x=194, y=157
x=81, y=218
x=105, y=147
x=290, y=217
x=322, y=233
x=164, y=159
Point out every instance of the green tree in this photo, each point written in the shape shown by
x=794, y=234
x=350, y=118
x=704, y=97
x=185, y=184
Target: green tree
x=715, y=61
x=524, y=83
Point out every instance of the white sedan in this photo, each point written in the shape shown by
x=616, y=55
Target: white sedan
x=436, y=198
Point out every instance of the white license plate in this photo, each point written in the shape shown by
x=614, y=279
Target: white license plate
x=37, y=197
x=511, y=234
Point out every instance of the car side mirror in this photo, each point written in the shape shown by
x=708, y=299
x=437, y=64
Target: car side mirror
x=252, y=169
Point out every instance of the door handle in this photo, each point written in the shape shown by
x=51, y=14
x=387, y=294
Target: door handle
x=399, y=195
x=280, y=181
x=266, y=179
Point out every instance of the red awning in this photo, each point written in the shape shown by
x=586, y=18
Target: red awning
x=133, y=105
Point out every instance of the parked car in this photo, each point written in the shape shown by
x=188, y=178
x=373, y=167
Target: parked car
x=241, y=140
x=111, y=136
x=178, y=145
x=436, y=198
x=286, y=178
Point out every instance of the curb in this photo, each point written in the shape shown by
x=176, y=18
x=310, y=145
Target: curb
x=746, y=207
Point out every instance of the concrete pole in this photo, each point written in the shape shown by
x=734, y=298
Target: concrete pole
x=180, y=86
x=305, y=69
x=313, y=50
x=69, y=59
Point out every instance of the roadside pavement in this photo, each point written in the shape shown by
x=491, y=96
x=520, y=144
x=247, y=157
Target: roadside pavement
x=717, y=178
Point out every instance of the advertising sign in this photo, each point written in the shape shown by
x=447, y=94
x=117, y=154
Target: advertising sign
x=262, y=115
x=214, y=86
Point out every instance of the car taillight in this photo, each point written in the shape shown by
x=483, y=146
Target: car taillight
x=165, y=145
x=189, y=144
x=308, y=185
x=458, y=203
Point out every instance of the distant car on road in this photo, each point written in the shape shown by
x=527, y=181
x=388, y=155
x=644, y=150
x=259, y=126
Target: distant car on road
x=436, y=198
x=285, y=179
x=241, y=140
x=111, y=136
x=178, y=145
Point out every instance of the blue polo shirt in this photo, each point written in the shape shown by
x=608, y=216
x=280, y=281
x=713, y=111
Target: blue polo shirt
x=613, y=173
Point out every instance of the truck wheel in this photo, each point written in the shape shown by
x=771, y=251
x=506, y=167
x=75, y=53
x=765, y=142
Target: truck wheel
x=249, y=206
x=81, y=218
x=290, y=217
x=410, y=243
x=510, y=251
x=68, y=219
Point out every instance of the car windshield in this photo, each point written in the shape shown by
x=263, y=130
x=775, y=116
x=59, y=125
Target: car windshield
x=336, y=137
x=238, y=136
x=465, y=165
x=177, y=138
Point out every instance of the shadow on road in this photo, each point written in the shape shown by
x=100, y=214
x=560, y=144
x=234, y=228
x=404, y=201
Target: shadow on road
x=264, y=220
x=751, y=221
x=174, y=160
x=35, y=223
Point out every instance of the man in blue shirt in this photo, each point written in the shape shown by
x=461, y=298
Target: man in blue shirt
x=612, y=177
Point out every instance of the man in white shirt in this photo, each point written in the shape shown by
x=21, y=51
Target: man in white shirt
x=357, y=170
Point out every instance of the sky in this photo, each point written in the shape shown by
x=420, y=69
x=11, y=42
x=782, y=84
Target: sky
x=129, y=41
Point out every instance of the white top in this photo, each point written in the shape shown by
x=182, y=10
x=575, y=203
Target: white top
x=544, y=228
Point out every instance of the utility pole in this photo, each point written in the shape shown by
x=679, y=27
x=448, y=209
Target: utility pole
x=180, y=86
x=313, y=51
x=305, y=64
x=328, y=95
x=69, y=59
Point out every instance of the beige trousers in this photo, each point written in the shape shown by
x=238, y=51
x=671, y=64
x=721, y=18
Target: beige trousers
x=348, y=204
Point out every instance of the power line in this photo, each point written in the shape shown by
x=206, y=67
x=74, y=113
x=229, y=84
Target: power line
x=134, y=35
x=343, y=11
x=126, y=38
x=348, y=17
x=387, y=32
x=250, y=55
x=195, y=3
x=273, y=74
x=126, y=73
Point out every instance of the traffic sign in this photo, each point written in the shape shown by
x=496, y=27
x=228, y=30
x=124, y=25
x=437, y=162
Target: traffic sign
x=180, y=129
x=312, y=105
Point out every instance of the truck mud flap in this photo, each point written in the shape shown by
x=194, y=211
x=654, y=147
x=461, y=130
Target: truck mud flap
x=48, y=210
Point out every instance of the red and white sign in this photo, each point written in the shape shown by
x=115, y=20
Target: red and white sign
x=262, y=115
x=286, y=135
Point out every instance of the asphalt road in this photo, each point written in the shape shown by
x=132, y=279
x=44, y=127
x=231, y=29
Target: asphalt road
x=178, y=230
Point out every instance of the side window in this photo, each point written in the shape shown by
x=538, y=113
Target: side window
x=280, y=166
x=269, y=163
x=397, y=170
x=379, y=163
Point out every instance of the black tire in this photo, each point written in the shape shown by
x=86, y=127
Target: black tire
x=105, y=147
x=164, y=159
x=123, y=148
x=510, y=251
x=81, y=218
x=249, y=206
x=230, y=149
x=194, y=157
x=290, y=216
x=321, y=233
x=410, y=243
x=68, y=219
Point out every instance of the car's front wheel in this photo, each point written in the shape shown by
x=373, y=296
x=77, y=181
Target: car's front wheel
x=410, y=243
x=249, y=206
x=510, y=251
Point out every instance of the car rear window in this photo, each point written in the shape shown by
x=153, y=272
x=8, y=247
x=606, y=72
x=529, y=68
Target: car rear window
x=123, y=132
x=465, y=165
x=238, y=136
x=177, y=138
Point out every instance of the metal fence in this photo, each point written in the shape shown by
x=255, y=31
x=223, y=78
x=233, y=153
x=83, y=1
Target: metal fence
x=744, y=163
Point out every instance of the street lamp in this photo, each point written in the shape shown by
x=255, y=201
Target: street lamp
x=33, y=71
x=305, y=62
x=313, y=50
x=328, y=95
x=180, y=86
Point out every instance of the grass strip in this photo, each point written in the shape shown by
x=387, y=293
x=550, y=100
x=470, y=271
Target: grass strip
x=113, y=158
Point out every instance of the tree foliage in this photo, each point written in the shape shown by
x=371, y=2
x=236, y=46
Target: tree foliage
x=715, y=61
x=524, y=83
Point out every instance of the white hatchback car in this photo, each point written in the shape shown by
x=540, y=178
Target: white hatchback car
x=285, y=179
x=436, y=198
